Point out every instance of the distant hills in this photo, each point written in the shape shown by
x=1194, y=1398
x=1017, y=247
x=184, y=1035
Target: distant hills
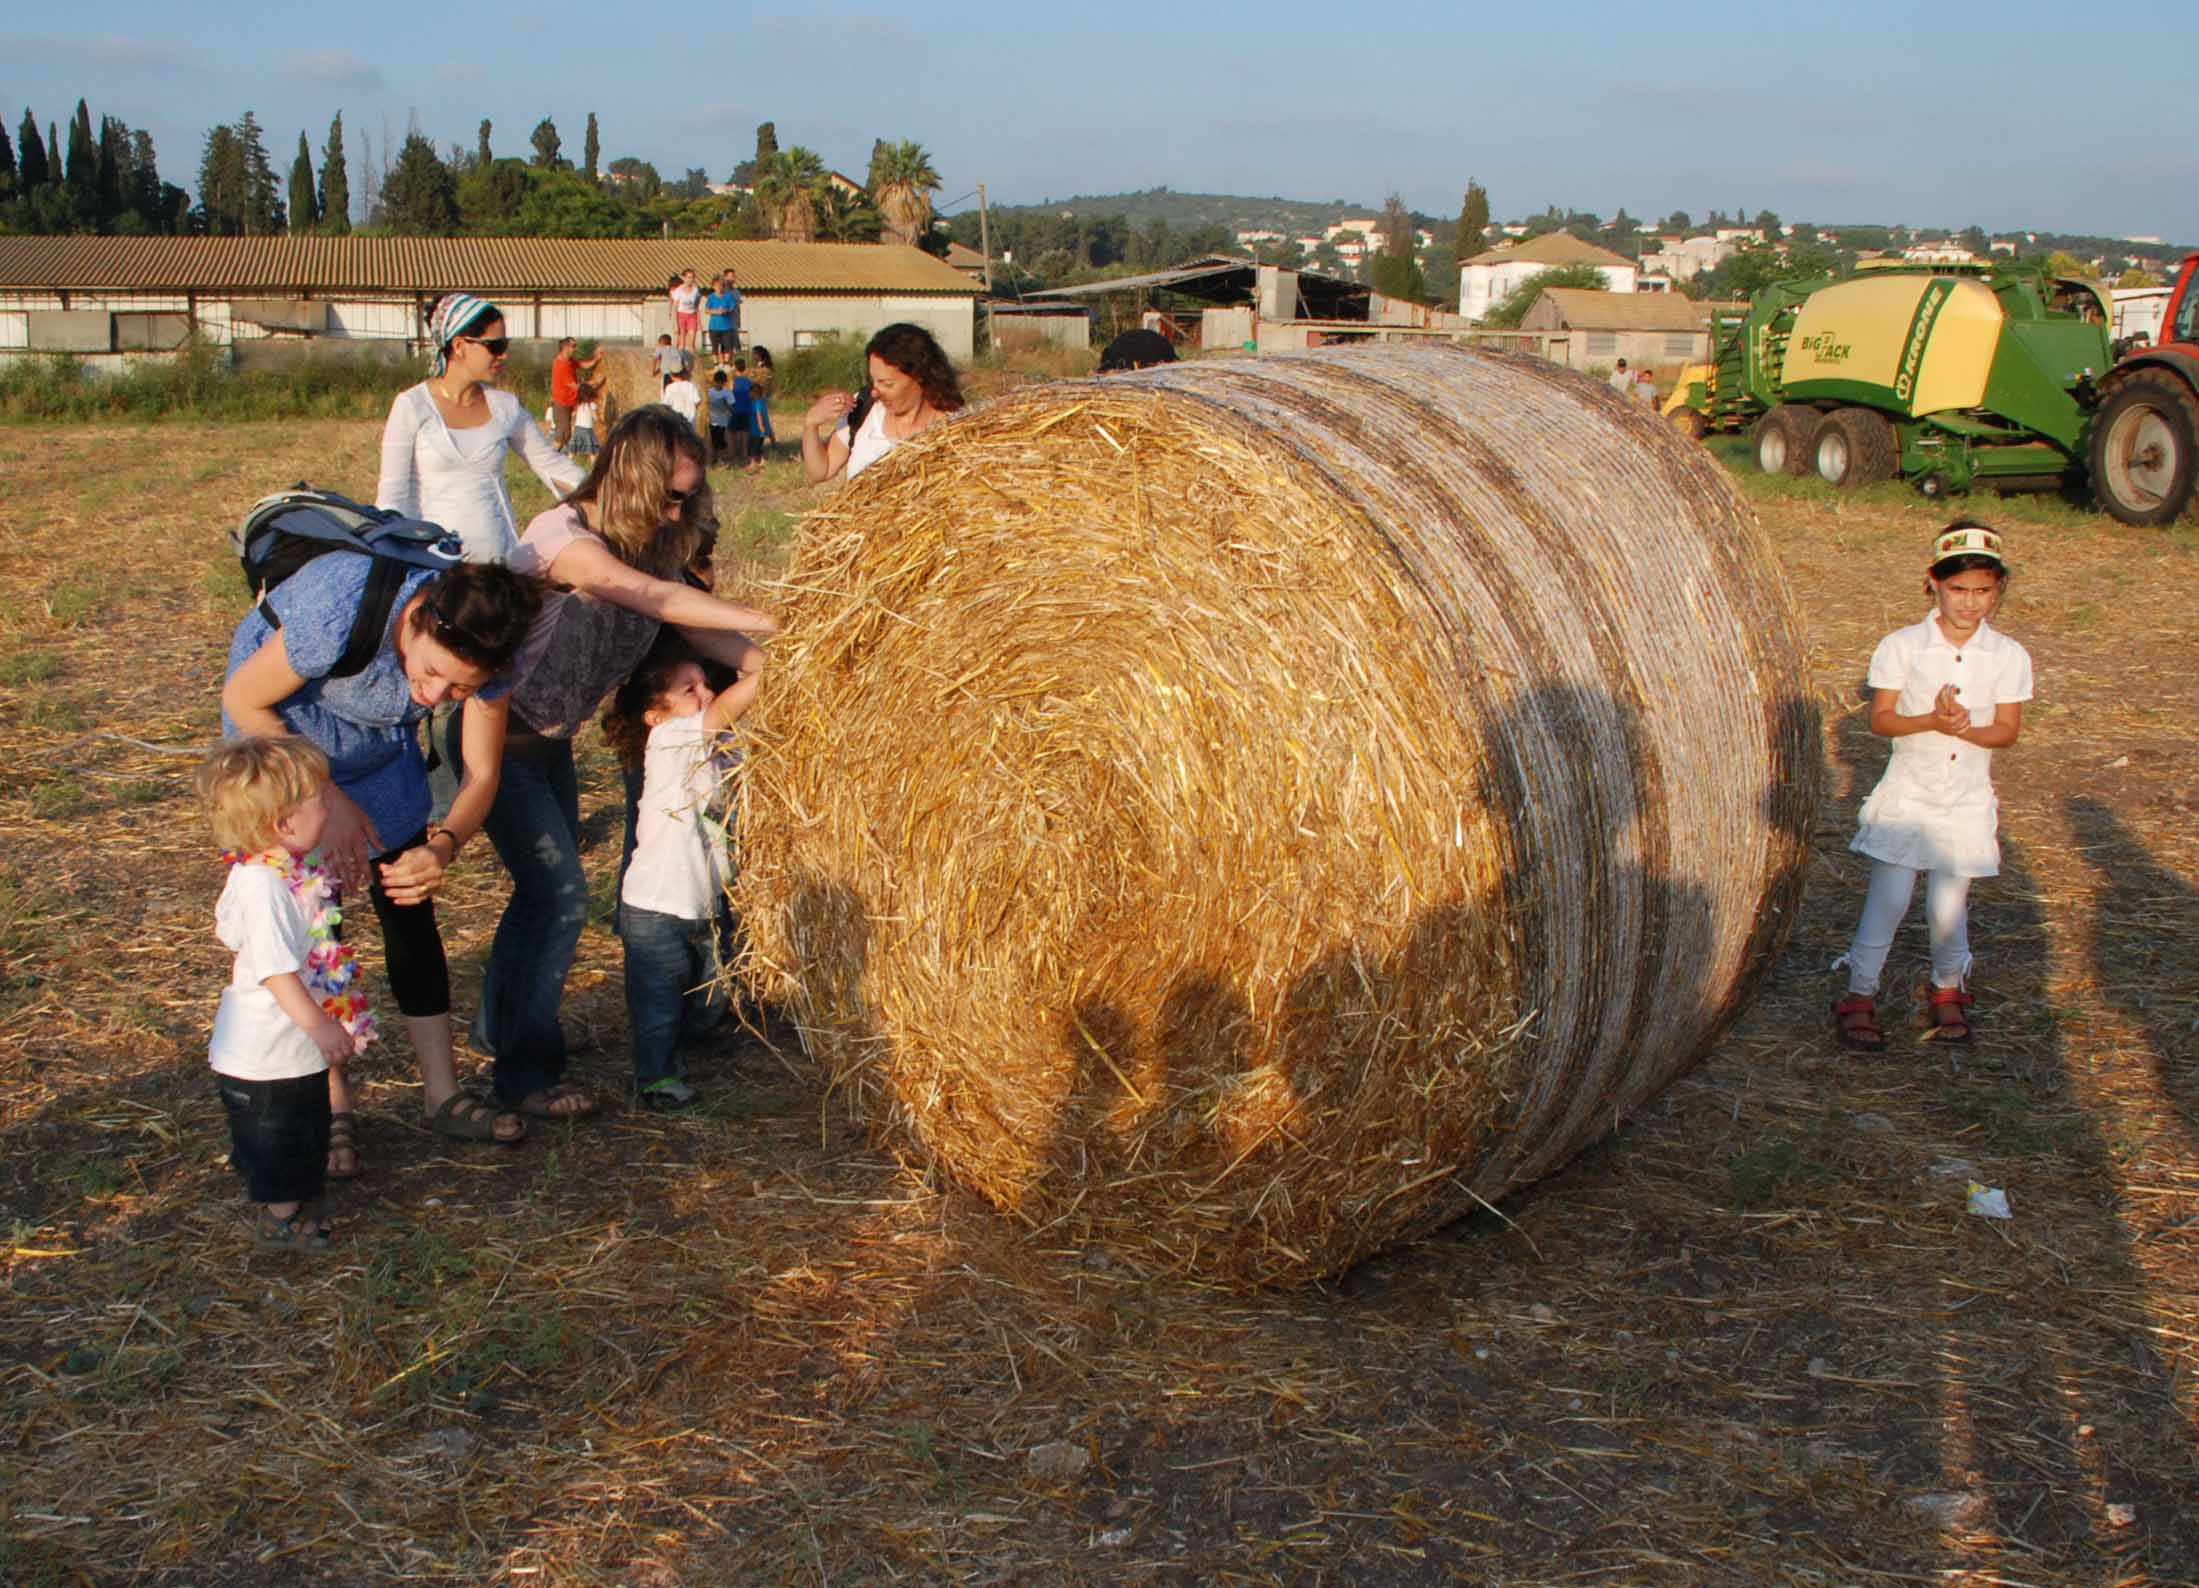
x=1190, y=211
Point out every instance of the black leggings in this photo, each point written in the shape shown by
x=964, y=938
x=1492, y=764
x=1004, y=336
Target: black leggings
x=419, y=975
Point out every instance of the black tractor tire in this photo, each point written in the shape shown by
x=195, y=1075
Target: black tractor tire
x=1689, y=422
x=2145, y=448
x=1784, y=438
x=1855, y=446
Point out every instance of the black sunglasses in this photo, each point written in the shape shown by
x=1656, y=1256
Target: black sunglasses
x=680, y=499
x=451, y=636
x=494, y=346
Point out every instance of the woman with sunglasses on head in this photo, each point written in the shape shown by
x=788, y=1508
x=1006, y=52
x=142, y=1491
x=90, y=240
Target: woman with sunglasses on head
x=612, y=553
x=444, y=446
x=450, y=638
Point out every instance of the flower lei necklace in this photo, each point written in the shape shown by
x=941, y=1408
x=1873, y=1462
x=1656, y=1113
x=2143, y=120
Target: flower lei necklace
x=331, y=973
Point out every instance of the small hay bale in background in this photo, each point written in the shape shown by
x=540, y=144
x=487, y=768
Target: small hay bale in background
x=1249, y=811
x=629, y=377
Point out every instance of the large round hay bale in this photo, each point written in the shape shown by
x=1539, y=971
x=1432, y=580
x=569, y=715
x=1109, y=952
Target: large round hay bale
x=1249, y=812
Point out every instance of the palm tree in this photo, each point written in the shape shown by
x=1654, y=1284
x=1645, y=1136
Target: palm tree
x=902, y=182
x=790, y=189
x=847, y=217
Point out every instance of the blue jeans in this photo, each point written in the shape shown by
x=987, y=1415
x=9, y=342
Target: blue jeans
x=670, y=962
x=535, y=826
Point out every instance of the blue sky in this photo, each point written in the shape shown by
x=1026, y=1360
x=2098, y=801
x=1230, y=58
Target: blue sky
x=2023, y=114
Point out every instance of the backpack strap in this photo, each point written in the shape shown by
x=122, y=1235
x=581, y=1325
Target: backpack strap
x=384, y=578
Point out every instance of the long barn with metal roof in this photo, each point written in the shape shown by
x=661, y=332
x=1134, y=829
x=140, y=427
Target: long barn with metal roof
x=123, y=295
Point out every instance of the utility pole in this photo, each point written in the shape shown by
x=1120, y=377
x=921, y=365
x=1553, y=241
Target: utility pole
x=985, y=235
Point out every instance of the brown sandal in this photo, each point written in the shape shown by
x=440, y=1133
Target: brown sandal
x=1855, y=1022
x=343, y=1137
x=1944, y=1017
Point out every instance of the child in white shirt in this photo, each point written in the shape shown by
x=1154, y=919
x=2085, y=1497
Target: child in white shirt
x=672, y=910
x=584, y=424
x=294, y=1005
x=682, y=396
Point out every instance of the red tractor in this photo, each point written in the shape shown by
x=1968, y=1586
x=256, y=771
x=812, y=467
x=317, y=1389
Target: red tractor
x=2144, y=451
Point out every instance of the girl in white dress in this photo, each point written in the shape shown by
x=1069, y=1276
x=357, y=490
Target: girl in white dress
x=1948, y=691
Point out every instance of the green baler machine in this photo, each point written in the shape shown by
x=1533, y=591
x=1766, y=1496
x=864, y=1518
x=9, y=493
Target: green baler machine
x=1946, y=376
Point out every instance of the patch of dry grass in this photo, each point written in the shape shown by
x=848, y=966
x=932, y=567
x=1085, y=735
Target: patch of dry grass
x=1753, y=1338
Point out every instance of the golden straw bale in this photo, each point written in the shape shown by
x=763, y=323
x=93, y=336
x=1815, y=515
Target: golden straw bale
x=629, y=377
x=1250, y=812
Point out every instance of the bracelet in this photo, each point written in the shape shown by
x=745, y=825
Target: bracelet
x=455, y=841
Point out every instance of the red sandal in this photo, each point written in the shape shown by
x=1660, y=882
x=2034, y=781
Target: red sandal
x=1855, y=1022
x=1944, y=1017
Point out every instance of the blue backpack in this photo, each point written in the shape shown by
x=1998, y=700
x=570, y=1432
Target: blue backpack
x=284, y=532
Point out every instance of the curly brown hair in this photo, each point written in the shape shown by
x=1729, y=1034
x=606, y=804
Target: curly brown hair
x=915, y=353
x=623, y=728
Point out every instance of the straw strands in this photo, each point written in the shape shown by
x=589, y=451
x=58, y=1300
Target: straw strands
x=1250, y=812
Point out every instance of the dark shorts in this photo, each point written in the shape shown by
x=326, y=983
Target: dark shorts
x=278, y=1135
x=725, y=341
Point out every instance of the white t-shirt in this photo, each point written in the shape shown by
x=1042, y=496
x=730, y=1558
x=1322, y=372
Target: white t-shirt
x=584, y=417
x=870, y=443
x=684, y=298
x=680, y=864
x=1935, y=810
x=262, y=923
x=681, y=397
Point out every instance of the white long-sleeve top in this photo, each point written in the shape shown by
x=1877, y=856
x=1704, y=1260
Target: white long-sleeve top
x=455, y=478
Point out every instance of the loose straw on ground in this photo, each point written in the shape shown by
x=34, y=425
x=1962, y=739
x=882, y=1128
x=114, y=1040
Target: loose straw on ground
x=1250, y=812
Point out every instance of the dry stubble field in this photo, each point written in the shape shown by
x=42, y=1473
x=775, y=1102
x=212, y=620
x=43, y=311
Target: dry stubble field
x=1753, y=1338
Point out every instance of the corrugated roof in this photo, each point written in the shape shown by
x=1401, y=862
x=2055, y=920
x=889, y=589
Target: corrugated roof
x=1552, y=248
x=489, y=265
x=1584, y=309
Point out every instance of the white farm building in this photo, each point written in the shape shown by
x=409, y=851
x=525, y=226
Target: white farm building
x=110, y=297
x=1487, y=279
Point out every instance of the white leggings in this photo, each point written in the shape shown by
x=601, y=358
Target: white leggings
x=1946, y=907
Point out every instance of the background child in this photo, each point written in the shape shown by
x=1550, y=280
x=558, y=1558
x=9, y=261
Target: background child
x=672, y=912
x=294, y=1007
x=682, y=397
x=762, y=378
x=744, y=414
x=584, y=423
x=722, y=439
x=1948, y=691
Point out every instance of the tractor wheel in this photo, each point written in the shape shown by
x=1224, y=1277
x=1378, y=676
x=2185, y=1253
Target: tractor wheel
x=1855, y=447
x=1784, y=438
x=1689, y=422
x=2145, y=445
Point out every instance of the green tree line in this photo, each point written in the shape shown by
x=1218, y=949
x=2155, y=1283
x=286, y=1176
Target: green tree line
x=109, y=183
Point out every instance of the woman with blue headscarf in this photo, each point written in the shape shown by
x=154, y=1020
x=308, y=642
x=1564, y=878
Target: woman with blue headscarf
x=443, y=449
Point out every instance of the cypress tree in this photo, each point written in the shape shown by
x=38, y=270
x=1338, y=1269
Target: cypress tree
x=592, y=150
x=7, y=161
x=546, y=145
x=481, y=155
x=304, y=202
x=1473, y=221
x=33, y=167
x=335, y=205
x=145, y=183
x=114, y=158
x=53, y=155
x=263, y=205
x=83, y=168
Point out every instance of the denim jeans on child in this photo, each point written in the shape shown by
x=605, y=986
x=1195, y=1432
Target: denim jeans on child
x=535, y=826
x=670, y=963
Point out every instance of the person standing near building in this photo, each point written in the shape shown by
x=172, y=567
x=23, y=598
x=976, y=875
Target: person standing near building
x=686, y=295
x=724, y=308
x=1621, y=381
x=565, y=388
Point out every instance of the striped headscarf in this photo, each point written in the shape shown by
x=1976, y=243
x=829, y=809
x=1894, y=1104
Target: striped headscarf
x=455, y=314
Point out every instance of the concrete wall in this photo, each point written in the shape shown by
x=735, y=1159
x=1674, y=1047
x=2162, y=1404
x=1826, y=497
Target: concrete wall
x=1227, y=328
x=1041, y=330
x=1482, y=287
x=779, y=321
